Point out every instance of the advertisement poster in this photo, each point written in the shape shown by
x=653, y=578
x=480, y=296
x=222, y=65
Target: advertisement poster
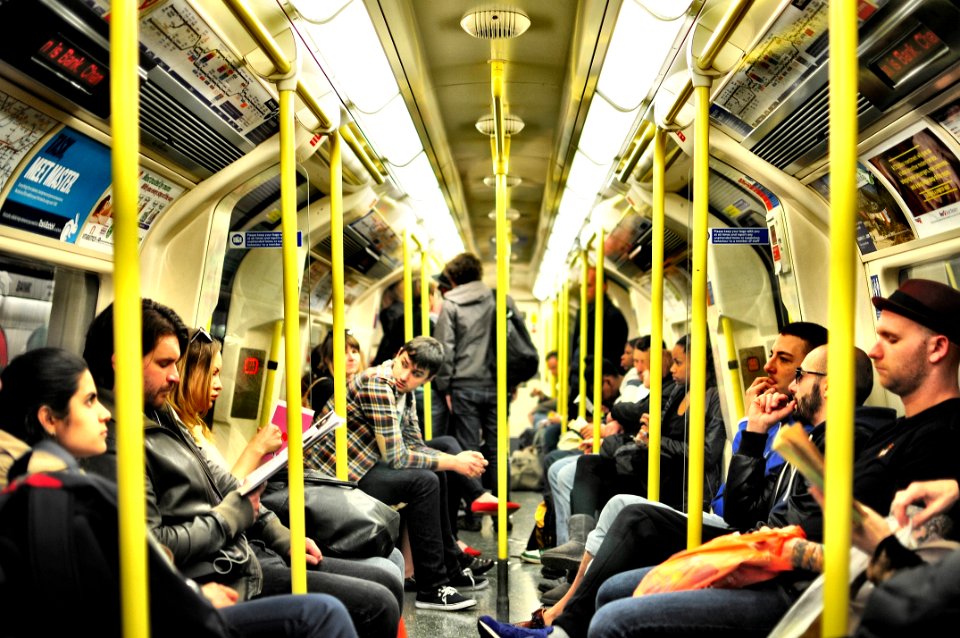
x=382, y=237
x=317, y=288
x=155, y=194
x=949, y=118
x=59, y=186
x=880, y=221
x=926, y=175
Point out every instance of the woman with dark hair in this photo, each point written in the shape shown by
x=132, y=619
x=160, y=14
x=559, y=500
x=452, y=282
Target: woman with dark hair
x=319, y=387
x=49, y=401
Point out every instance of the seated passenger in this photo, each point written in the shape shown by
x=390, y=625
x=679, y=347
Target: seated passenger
x=50, y=395
x=916, y=357
x=320, y=388
x=196, y=510
x=390, y=461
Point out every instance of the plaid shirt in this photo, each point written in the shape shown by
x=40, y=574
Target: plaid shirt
x=382, y=426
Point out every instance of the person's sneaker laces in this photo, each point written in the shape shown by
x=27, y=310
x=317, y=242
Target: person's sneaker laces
x=468, y=581
x=492, y=628
x=444, y=598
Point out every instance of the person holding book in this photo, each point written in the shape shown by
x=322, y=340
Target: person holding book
x=388, y=458
x=916, y=356
x=195, y=509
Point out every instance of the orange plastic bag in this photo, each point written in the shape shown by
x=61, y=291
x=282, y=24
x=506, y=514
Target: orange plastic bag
x=728, y=562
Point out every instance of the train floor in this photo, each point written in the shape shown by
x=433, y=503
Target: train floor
x=519, y=596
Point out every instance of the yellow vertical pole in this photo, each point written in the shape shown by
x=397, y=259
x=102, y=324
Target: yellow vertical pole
x=407, y=288
x=843, y=290
x=563, y=360
x=500, y=166
x=733, y=365
x=554, y=341
x=339, y=323
x=656, y=320
x=124, y=157
x=584, y=273
x=273, y=362
x=425, y=300
x=598, y=345
x=291, y=332
x=697, y=356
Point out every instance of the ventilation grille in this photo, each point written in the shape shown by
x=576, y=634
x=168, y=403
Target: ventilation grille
x=179, y=130
x=806, y=127
x=494, y=24
x=358, y=255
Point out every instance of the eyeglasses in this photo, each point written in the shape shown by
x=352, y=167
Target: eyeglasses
x=202, y=334
x=801, y=372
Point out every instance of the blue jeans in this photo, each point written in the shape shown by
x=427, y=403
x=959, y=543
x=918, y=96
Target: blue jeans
x=306, y=616
x=560, y=477
x=473, y=421
x=703, y=612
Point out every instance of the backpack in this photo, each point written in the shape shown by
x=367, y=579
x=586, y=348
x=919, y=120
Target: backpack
x=60, y=567
x=523, y=360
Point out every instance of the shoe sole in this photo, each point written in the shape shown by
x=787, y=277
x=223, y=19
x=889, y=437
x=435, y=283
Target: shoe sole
x=560, y=562
x=477, y=587
x=486, y=630
x=466, y=604
x=531, y=560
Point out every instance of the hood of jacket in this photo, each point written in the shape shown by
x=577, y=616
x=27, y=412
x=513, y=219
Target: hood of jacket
x=469, y=293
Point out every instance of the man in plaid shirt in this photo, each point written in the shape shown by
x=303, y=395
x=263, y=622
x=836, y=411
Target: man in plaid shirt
x=390, y=461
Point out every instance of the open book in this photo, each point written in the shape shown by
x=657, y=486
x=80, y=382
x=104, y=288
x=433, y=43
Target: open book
x=793, y=444
x=311, y=435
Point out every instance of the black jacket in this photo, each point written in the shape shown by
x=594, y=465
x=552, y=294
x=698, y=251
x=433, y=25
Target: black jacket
x=781, y=498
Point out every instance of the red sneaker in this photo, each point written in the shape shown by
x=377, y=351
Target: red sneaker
x=490, y=507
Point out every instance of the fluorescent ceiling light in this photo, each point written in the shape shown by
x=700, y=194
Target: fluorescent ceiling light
x=633, y=61
x=605, y=130
x=416, y=177
x=391, y=131
x=351, y=48
x=586, y=176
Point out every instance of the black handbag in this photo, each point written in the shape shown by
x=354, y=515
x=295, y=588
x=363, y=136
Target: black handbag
x=345, y=522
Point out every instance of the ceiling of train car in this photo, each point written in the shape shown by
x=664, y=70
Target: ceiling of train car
x=448, y=75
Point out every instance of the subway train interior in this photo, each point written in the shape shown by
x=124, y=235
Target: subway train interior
x=421, y=129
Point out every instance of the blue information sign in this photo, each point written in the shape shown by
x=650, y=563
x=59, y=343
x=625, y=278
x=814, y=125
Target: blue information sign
x=752, y=236
x=260, y=239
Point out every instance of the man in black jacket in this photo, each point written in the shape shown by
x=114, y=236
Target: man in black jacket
x=195, y=508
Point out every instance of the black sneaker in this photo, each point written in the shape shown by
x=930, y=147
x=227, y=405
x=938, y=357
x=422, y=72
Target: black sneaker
x=409, y=584
x=477, y=565
x=444, y=598
x=468, y=581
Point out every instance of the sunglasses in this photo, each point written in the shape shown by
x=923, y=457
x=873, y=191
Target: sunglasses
x=202, y=335
x=801, y=372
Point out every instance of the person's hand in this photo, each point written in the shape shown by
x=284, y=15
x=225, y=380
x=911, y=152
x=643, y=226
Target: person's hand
x=267, y=439
x=586, y=429
x=610, y=428
x=470, y=463
x=936, y=496
x=449, y=403
x=643, y=436
x=314, y=556
x=866, y=534
x=254, y=497
x=220, y=596
x=767, y=409
x=760, y=385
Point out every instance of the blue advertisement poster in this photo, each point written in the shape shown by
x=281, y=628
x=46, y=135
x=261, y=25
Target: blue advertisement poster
x=59, y=186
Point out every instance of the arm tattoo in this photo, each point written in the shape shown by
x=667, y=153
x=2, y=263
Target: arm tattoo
x=807, y=555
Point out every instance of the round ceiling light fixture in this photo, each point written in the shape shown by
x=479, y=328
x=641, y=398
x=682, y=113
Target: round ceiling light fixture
x=495, y=24
x=512, y=124
x=512, y=180
x=512, y=214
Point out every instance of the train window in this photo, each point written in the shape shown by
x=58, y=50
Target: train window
x=34, y=298
x=946, y=271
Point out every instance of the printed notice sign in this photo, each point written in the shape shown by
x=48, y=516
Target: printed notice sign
x=260, y=239
x=751, y=236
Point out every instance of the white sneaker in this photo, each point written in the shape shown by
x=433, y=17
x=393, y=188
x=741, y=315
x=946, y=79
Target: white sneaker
x=444, y=598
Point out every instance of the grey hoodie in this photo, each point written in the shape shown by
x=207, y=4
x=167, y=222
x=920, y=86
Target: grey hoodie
x=464, y=329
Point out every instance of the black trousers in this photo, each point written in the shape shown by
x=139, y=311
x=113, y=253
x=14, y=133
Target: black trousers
x=436, y=556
